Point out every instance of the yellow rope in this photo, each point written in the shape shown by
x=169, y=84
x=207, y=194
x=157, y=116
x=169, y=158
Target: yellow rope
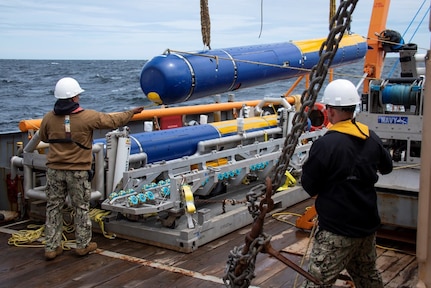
x=35, y=233
x=395, y=250
x=279, y=217
x=97, y=215
x=22, y=238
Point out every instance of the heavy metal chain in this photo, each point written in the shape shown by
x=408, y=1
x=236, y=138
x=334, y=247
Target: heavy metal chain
x=241, y=262
x=338, y=26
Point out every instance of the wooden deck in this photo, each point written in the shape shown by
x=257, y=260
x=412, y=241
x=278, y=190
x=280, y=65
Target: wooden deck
x=124, y=263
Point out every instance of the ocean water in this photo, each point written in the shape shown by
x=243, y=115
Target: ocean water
x=27, y=86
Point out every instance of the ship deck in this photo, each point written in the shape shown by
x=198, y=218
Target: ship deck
x=125, y=263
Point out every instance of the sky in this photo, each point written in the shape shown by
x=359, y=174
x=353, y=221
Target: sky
x=142, y=29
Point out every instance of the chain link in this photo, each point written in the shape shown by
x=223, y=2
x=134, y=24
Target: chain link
x=252, y=198
x=237, y=258
x=338, y=26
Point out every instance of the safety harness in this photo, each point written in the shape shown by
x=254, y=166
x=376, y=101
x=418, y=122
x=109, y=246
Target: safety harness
x=68, y=133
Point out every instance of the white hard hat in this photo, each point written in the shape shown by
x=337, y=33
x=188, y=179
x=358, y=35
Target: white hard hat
x=341, y=93
x=67, y=88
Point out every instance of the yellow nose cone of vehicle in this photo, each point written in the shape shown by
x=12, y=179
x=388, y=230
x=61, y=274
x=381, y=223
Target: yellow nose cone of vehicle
x=154, y=97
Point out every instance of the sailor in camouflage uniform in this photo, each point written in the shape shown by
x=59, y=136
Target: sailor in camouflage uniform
x=341, y=170
x=69, y=130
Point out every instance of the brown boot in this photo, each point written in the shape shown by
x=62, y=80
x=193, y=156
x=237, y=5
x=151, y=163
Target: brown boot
x=49, y=255
x=84, y=251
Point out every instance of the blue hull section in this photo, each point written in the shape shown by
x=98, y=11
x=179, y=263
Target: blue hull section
x=179, y=77
x=170, y=144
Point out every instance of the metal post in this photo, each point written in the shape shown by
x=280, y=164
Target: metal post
x=423, y=246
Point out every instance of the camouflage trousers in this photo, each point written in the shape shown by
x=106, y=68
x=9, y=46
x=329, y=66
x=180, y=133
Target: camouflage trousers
x=332, y=253
x=59, y=185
